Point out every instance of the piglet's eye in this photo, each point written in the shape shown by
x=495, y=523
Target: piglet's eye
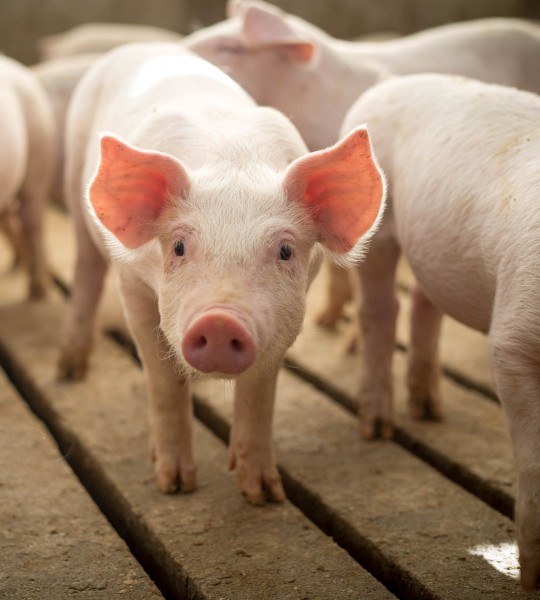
x=179, y=249
x=285, y=252
x=230, y=47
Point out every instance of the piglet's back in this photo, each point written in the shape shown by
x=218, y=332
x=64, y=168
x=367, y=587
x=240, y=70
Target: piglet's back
x=489, y=135
x=463, y=161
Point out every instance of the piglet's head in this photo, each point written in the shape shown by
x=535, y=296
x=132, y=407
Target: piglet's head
x=236, y=255
x=265, y=26
x=132, y=188
x=342, y=188
x=256, y=46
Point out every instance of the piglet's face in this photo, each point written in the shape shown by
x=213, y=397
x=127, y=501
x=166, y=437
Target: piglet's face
x=235, y=273
x=236, y=245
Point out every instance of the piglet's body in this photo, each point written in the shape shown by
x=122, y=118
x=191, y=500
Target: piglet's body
x=27, y=155
x=60, y=77
x=464, y=208
x=215, y=222
x=93, y=38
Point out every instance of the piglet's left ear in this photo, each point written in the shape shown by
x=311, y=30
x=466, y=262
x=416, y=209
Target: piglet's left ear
x=342, y=187
x=132, y=187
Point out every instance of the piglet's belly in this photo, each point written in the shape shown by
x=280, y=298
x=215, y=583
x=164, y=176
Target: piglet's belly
x=457, y=287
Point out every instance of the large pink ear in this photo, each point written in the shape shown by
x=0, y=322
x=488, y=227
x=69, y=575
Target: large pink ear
x=264, y=25
x=132, y=187
x=343, y=188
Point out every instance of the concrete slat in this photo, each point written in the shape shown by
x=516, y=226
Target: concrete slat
x=422, y=527
x=210, y=544
x=472, y=437
x=54, y=542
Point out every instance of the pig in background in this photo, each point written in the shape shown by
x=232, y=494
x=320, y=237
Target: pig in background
x=215, y=219
x=27, y=160
x=463, y=206
x=59, y=77
x=68, y=55
x=286, y=62
x=98, y=38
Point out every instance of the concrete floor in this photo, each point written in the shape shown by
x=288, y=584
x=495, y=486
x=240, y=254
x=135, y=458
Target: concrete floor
x=423, y=516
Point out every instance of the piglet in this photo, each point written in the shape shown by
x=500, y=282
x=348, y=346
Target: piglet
x=288, y=63
x=216, y=220
x=91, y=38
x=27, y=159
x=59, y=77
x=285, y=62
x=463, y=208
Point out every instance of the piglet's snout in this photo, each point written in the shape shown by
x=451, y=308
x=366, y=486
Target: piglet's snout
x=217, y=341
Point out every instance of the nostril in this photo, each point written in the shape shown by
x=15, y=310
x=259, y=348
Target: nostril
x=201, y=342
x=217, y=341
x=236, y=345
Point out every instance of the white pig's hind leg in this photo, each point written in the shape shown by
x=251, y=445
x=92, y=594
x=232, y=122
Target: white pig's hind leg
x=34, y=191
x=10, y=224
x=251, y=449
x=339, y=292
x=33, y=197
x=423, y=373
x=80, y=325
x=378, y=314
x=515, y=370
x=171, y=411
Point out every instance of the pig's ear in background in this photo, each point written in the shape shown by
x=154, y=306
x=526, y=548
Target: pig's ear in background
x=265, y=27
x=232, y=8
x=132, y=187
x=342, y=187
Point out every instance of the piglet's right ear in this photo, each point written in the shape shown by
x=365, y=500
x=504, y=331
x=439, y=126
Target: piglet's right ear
x=132, y=187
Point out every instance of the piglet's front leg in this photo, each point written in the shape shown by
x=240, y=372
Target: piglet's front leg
x=378, y=316
x=171, y=411
x=339, y=293
x=251, y=450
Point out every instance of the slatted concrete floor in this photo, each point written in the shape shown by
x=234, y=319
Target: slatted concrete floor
x=424, y=516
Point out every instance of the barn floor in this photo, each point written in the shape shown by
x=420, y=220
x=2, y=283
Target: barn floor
x=424, y=516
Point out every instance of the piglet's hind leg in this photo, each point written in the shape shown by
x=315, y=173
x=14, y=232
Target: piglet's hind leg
x=339, y=293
